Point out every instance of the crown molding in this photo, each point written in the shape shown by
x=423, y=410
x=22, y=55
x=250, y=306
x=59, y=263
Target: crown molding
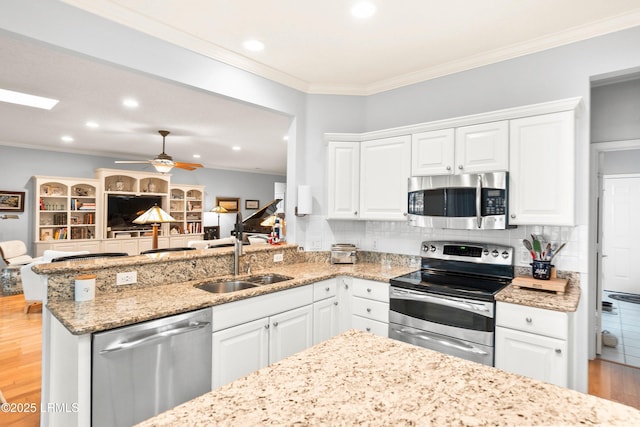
x=145, y=24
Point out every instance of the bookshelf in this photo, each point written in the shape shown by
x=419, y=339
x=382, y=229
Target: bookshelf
x=186, y=206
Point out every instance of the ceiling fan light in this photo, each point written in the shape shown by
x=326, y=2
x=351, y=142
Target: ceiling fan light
x=163, y=165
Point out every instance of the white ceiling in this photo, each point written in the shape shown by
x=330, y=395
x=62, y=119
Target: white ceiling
x=313, y=46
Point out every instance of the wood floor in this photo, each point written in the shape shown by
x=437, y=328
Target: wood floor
x=21, y=348
x=20, y=359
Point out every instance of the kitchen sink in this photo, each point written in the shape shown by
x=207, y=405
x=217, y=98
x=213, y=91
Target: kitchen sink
x=226, y=286
x=267, y=279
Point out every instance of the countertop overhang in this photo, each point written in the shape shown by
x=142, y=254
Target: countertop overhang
x=357, y=378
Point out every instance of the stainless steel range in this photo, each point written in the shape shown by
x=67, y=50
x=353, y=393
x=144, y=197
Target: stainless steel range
x=449, y=305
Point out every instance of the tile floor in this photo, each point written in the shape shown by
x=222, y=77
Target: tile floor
x=623, y=321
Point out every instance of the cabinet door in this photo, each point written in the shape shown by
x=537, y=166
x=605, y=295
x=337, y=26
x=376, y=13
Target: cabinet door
x=129, y=246
x=239, y=350
x=385, y=167
x=290, y=332
x=343, y=182
x=345, y=303
x=482, y=148
x=325, y=319
x=534, y=356
x=432, y=153
x=542, y=170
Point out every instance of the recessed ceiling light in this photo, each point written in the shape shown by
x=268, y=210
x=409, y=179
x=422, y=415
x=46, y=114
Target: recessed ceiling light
x=253, y=45
x=66, y=138
x=196, y=156
x=92, y=125
x=285, y=138
x=27, y=100
x=130, y=103
x=235, y=148
x=363, y=10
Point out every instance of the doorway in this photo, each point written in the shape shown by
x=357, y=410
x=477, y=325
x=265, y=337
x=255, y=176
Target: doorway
x=620, y=271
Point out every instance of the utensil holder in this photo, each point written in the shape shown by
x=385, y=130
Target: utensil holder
x=541, y=270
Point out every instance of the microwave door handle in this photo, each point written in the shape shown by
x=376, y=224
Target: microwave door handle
x=479, y=201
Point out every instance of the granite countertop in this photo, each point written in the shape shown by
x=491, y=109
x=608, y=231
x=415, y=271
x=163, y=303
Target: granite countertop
x=358, y=378
x=113, y=310
x=542, y=299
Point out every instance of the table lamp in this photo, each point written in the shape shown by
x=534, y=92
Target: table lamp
x=219, y=209
x=154, y=216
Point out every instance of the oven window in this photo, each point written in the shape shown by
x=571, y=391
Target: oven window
x=442, y=314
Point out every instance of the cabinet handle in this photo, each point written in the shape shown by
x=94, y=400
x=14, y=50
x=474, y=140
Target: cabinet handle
x=513, y=215
x=326, y=289
x=529, y=320
x=460, y=167
x=368, y=329
x=266, y=326
x=559, y=351
x=448, y=168
x=335, y=303
x=355, y=212
x=346, y=286
x=368, y=310
x=275, y=324
x=368, y=289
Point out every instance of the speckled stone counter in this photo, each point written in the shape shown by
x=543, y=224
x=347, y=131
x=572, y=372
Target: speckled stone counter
x=544, y=299
x=360, y=379
x=111, y=310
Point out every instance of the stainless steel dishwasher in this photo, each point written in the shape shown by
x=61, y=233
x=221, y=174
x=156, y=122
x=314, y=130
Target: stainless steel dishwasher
x=141, y=370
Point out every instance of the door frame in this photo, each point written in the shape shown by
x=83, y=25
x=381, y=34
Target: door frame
x=595, y=235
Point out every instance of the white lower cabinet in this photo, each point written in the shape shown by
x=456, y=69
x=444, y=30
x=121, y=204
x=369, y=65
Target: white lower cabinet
x=369, y=306
x=326, y=310
x=532, y=342
x=253, y=333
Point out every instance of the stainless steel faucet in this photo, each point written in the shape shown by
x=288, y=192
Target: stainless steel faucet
x=252, y=258
x=237, y=247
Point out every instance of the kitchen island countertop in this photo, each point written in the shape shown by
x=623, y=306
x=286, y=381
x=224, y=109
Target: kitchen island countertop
x=358, y=378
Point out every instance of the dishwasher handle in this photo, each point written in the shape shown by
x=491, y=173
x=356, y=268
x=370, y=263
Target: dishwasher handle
x=126, y=345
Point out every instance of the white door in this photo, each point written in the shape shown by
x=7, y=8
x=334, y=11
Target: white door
x=482, y=148
x=325, y=319
x=290, y=332
x=239, y=350
x=531, y=355
x=432, y=152
x=343, y=180
x=620, y=233
x=385, y=167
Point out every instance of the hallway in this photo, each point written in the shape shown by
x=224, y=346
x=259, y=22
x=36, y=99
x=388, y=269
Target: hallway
x=623, y=322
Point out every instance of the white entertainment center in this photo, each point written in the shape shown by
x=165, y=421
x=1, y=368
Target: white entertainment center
x=72, y=214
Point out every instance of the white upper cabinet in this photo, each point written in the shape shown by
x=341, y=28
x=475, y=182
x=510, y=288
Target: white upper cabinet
x=343, y=180
x=432, y=152
x=469, y=149
x=385, y=167
x=482, y=148
x=542, y=170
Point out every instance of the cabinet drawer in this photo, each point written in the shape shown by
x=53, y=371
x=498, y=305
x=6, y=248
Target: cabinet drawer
x=325, y=289
x=378, y=291
x=534, y=320
x=368, y=325
x=370, y=309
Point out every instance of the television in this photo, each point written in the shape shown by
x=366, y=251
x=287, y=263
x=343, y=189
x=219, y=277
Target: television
x=122, y=210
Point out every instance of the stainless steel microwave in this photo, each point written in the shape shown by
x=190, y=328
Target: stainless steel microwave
x=466, y=202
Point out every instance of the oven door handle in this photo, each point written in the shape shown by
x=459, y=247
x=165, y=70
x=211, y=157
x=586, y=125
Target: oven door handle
x=413, y=296
x=427, y=336
x=479, y=201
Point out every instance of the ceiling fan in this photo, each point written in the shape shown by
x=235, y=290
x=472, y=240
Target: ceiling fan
x=164, y=162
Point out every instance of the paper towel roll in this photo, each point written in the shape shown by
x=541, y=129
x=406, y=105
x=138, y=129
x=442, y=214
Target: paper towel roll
x=304, y=200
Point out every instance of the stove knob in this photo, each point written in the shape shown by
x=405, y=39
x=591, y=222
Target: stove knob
x=486, y=252
x=495, y=253
x=425, y=248
x=433, y=248
x=505, y=254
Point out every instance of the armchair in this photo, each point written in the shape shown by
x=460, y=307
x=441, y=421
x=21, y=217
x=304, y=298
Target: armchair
x=34, y=285
x=14, y=253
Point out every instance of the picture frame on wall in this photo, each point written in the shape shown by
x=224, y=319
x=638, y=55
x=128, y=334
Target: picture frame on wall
x=251, y=204
x=11, y=201
x=231, y=204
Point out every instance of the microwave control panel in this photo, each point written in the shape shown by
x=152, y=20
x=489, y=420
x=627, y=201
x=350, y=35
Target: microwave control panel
x=494, y=201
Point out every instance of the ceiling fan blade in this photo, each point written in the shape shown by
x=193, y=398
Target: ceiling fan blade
x=187, y=166
x=133, y=161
